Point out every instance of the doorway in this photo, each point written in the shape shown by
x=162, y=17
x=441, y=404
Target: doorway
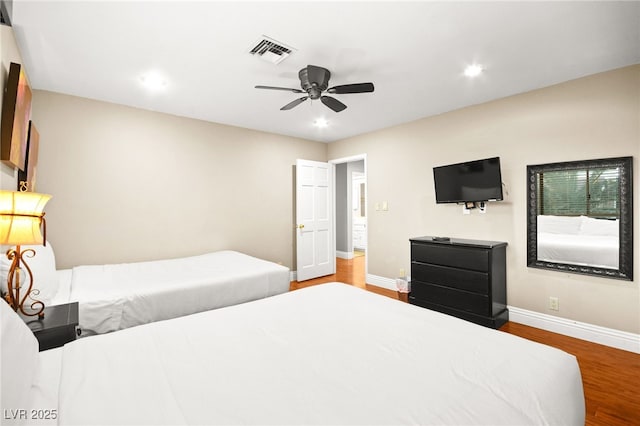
x=351, y=225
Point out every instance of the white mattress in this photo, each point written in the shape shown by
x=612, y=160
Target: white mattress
x=329, y=354
x=590, y=250
x=118, y=296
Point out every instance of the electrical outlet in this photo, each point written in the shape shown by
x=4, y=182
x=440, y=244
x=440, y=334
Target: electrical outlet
x=554, y=304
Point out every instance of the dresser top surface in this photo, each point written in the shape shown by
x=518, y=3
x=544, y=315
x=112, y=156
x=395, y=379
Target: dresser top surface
x=459, y=242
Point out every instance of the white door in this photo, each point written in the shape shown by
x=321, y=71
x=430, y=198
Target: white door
x=314, y=217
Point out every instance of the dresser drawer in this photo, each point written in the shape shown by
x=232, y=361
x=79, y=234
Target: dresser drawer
x=462, y=279
x=454, y=256
x=461, y=300
x=496, y=321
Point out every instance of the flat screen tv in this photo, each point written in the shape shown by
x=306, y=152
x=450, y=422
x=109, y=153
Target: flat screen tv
x=472, y=181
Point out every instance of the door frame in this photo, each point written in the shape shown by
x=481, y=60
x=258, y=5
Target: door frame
x=333, y=164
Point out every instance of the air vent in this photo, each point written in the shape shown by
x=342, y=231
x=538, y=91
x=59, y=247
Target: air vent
x=271, y=50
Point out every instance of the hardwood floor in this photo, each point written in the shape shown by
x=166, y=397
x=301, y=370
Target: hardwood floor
x=347, y=271
x=610, y=377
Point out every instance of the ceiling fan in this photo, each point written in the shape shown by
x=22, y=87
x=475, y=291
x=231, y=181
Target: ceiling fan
x=314, y=81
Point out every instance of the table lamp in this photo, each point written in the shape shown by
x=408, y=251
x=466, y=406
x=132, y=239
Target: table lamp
x=21, y=218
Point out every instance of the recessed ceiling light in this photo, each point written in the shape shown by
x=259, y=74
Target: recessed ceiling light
x=153, y=81
x=473, y=70
x=321, y=123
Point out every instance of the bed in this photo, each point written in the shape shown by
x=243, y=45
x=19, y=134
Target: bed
x=327, y=354
x=116, y=296
x=579, y=240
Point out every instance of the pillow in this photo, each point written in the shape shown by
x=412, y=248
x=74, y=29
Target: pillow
x=43, y=267
x=19, y=354
x=559, y=224
x=600, y=227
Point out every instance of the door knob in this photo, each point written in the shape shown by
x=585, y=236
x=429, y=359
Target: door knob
x=300, y=226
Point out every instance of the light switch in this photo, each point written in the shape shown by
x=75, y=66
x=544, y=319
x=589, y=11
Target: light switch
x=385, y=206
x=377, y=206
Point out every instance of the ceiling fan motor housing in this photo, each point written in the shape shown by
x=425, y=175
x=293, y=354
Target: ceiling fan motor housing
x=314, y=80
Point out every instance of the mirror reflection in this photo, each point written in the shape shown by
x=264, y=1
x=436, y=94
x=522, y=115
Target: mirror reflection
x=580, y=217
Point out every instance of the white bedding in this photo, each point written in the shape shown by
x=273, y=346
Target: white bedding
x=64, y=287
x=579, y=240
x=329, y=354
x=43, y=401
x=118, y=296
x=600, y=251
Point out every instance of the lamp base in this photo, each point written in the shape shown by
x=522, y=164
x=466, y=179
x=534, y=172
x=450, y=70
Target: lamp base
x=34, y=307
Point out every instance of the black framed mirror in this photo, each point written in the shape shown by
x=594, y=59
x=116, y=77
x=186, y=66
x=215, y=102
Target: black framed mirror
x=580, y=217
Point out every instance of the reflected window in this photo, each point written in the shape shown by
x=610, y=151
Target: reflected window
x=590, y=192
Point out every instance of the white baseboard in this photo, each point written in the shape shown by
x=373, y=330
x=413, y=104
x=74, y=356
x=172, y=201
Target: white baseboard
x=388, y=283
x=344, y=255
x=580, y=330
x=589, y=332
x=293, y=275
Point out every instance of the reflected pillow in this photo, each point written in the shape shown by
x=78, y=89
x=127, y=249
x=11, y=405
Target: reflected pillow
x=569, y=225
x=600, y=227
x=43, y=267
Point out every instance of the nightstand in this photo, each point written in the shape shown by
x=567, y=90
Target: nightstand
x=59, y=325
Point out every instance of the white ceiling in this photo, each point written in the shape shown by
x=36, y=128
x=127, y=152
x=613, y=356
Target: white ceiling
x=414, y=53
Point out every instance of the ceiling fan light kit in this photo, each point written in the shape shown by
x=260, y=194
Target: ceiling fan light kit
x=314, y=81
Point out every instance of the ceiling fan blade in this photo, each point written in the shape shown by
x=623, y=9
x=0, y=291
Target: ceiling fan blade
x=294, y=103
x=333, y=103
x=352, y=88
x=280, y=88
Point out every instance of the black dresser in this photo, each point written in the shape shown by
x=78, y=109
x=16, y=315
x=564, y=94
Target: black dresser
x=463, y=278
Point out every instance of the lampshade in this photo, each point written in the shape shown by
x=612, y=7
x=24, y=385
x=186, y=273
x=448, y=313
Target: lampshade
x=21, y=217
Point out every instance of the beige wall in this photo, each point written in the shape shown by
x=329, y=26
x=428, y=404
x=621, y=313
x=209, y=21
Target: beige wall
x=131, y=185
x=8, y=53
x=593, y=117
x=135, y=185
